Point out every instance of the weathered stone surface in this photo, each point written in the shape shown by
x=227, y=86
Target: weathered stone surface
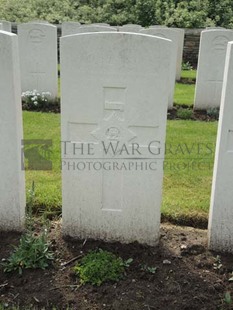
x=114, y=93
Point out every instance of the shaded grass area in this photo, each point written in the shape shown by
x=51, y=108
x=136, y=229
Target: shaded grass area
x=188, y=168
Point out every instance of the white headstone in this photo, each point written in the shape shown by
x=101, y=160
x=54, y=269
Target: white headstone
x=12, y=184
x=38, y=21
x=69, y=28
x=114, y=93
x=95, y=28
x=38, y=57
x=181, y=33
x=210, y=68
x=130, y=28
x=221, y=208
x=6, y=26
x=101, y=24
x=158, y=26
x=174, y=37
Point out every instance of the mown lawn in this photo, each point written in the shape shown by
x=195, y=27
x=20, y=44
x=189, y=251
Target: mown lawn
x=184, y=94
x=189, y=74
x=186, y=189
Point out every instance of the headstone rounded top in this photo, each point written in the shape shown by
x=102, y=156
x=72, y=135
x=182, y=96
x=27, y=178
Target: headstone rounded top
x=94, y=28
x=37, y=24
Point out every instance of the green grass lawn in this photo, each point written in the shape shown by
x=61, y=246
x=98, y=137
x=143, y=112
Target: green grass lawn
x=186, y=191
x=184, y=94
x=189, y=74
x=188, y=170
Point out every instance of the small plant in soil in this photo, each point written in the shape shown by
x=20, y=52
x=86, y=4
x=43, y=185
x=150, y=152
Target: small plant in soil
x=218, y=263
x=228, y=299
x=148, y=269
x=187, y=66
x=184, y=113
x=213, y=113
x=100, y=266
x=33, y=249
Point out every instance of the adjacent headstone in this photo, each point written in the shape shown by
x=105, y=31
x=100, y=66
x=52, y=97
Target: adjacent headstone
x=174, y=37
x=221, y=209
x=12, y=184
x=210, y=68
x=94, y=28
x=6, y=26
x=69, y=28
x=114, y=95
x=158, y=26
x=101, y=24
x=38, y=57
x=180, y=52
x=130, y=28
x=1, y=26
x=38, y=21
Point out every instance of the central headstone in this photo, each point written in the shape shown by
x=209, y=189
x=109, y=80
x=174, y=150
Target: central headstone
x=114, y=101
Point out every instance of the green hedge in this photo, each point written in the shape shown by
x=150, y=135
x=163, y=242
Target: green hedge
x=184, y=14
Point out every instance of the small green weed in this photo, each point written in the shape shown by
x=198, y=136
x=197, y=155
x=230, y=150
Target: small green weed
x=32, y=252
x=148, y=269
x=100, y=266
x=187, y=66
x=218, y=263
x=184, y=113
x=227, y=298
x=33, y=249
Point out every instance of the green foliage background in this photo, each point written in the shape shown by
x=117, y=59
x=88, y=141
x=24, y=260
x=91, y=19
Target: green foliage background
x=176, y=13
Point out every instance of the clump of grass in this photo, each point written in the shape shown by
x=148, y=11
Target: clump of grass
x=100, y=266
x=184, y=113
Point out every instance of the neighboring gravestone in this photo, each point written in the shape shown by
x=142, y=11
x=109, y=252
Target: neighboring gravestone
x=221, y=209
x=38, y=57
x=180, y=44
x=12, y=184
x=1, y=26
x=157, y=26
x=69, y=28
x=100, y=24
x=210, y=68
x=174, y=37
x=6, y=26
x=180, y=52
x=94, y=28
x=114, y=95
x=130, y=28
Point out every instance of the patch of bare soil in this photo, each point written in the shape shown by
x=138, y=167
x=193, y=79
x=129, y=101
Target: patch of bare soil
x=188, y=276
